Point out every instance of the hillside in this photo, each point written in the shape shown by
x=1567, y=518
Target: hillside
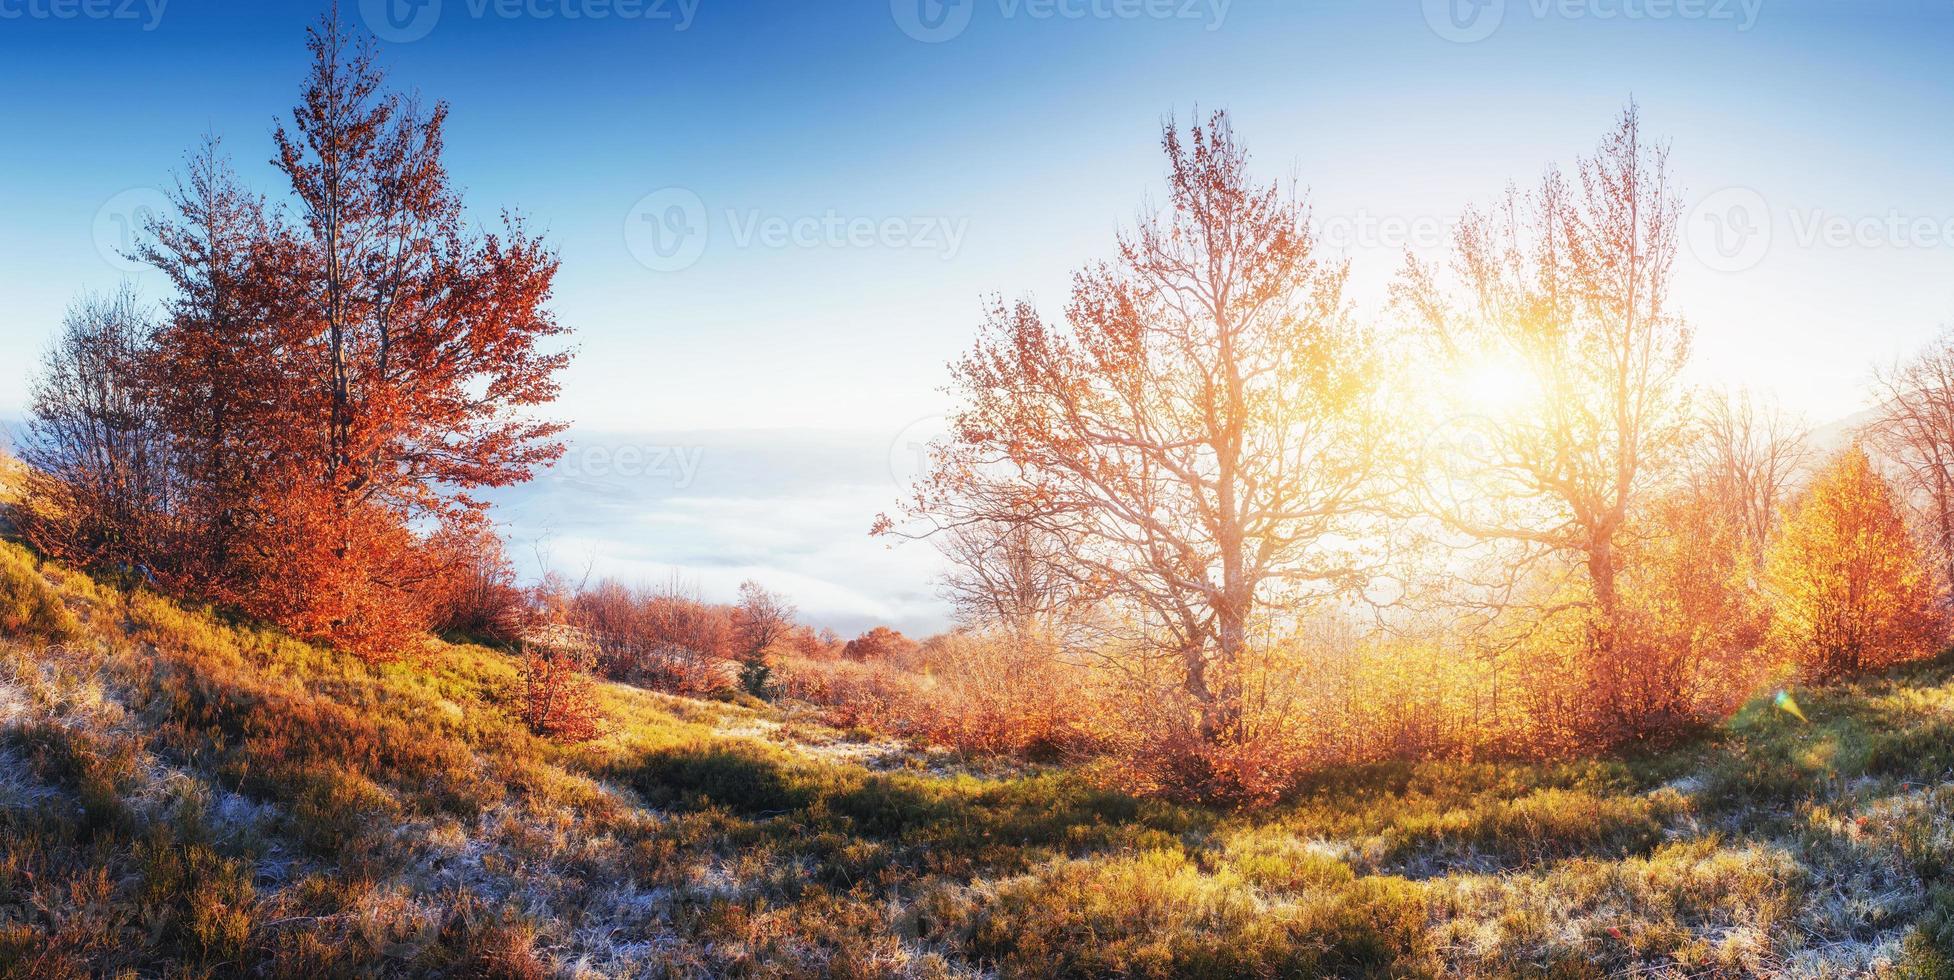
x=183, y=795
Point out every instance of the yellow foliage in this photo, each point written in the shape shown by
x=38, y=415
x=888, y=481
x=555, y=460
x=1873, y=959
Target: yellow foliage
x=1853, y=590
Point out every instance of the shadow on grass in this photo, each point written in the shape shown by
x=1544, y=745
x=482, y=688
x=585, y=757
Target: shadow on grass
x=964, y=817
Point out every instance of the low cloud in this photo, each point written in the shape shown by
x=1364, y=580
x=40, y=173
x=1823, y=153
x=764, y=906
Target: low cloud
x=790, y=509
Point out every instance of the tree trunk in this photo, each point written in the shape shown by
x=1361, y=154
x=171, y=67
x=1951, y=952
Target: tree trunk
x=1222, y=715
x=1604, y=647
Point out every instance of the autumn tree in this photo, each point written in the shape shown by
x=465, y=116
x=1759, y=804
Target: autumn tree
x=1691, y=592
x=1572, y=282
x=878, y=645
x=558, y=699
x=1743, y=458
x=1852, y=590
x=1013, y=577
x=426, y=352
x=1692, y=603
x=324, y=396
x=1913, y=426
x=99, y=487
x=763, y=618
x=1195, y=441
x=226, y=393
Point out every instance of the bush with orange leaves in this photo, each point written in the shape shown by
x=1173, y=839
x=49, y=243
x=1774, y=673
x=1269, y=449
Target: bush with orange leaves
x=1160, y=750
x=1853, y=591
x=480, y=596
x=1323, y=696
x=880, y=643
x=557, y=698
x=969, y=692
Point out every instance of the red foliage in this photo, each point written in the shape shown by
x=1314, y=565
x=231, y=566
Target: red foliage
x=328, y=393
x=557, y=700
x=667, y=638
x=880, y=643
x=479, y=594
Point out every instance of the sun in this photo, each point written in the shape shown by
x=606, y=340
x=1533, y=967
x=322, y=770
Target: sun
x=1497, y=386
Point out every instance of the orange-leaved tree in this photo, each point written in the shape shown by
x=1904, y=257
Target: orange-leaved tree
x=1852, y=590
x=326, y=395
x=221, y=372
x=425, y=350
x=1572, y=283
x=1195, y=445
x=761, y=619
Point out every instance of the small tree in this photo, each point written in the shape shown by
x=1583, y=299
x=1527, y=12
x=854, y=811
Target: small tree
x=557, y=699
x=98, y=488
x=1853, y=590
x=1914, y=429
x=1742, y=461
x=1013, y=578
x=763, y=619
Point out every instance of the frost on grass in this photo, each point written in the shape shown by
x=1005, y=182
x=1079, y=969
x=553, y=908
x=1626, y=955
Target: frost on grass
x=324, y=817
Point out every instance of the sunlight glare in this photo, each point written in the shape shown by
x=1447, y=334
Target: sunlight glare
x=1499, y=387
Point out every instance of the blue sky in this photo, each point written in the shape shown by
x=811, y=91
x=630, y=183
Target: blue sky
x=783, y=215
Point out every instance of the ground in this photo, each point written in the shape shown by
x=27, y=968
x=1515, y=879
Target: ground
x=183, y=795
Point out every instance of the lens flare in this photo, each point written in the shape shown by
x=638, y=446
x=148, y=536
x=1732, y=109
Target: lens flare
x=1497, y=386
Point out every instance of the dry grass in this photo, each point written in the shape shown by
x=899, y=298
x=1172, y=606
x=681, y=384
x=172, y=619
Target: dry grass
x=972, y=694
x=28, y=607
x=185, y=796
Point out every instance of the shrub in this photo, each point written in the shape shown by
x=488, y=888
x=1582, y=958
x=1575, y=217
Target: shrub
x=974, y=693
x=480, y=596
x=557, y=700
x=880, y=643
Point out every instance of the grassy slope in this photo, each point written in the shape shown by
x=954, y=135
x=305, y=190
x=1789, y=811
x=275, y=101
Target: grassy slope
x=182, y=795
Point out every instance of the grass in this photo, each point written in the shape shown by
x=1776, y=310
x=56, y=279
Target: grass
x=28, y=608
x=186, y=796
